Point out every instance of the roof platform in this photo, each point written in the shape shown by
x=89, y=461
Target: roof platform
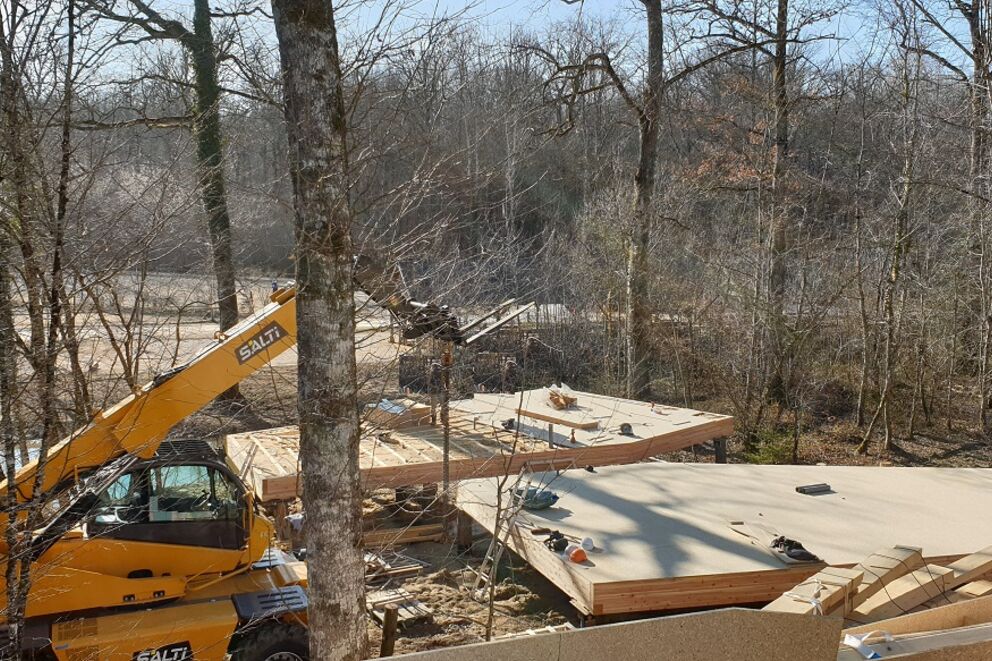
x=400, y=447
x=672, y=536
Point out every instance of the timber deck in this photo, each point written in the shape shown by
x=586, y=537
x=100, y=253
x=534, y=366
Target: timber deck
x=401, y=448
x=664, y=539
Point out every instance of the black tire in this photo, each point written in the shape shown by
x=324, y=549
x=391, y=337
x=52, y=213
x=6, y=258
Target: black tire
x=274, y=641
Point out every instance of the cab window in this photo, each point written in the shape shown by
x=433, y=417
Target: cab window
x=191, y=493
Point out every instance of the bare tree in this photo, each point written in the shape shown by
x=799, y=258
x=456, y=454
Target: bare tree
x=198, y=42
x=317, y=128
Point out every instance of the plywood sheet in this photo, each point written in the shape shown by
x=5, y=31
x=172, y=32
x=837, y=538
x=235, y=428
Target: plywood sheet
x=739, y=634
x=663, y=535
x=595, y=419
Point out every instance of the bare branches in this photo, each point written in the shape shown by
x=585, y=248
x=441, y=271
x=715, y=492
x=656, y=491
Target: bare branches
x=143, y=16
x=181, y=121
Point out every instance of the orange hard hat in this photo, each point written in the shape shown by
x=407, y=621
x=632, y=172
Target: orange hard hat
x=578, y=555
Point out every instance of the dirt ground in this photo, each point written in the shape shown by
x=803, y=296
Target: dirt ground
x=523, y=599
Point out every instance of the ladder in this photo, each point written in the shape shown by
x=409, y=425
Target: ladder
x=506, y=520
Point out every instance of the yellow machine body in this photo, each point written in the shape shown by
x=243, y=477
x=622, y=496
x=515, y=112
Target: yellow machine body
x=107, y=583
x=198, y=626
x=106, y=598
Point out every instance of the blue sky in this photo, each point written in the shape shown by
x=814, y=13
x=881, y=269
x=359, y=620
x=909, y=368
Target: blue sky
x=857, y=28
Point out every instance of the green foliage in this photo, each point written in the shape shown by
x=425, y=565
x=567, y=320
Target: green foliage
x=771, y=446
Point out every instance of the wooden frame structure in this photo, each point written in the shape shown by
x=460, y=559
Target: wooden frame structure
x=408, y=451
x=674, y=536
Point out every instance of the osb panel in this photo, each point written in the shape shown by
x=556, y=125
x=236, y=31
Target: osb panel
x=739, y=634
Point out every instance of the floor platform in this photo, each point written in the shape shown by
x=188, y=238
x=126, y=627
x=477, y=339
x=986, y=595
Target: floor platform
x=674, y=536
x=400, y=447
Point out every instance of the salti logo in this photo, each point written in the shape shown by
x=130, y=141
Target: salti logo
x=173, y=652
x=259, y=342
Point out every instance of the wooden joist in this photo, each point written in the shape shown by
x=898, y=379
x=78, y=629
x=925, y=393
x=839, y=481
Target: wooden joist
x=829, y=588
x=969, y=568
x=690, y=591
x=975, y=589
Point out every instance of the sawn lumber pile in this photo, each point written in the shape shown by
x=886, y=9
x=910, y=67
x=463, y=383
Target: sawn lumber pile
x=896, y=605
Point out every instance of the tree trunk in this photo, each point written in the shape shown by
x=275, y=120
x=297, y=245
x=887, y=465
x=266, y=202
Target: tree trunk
x=210, y=165
x=317, y=129
x=638, y=310
x=8, y=436
x=979, y=91
x=8, y=360
x=897, y=252
x=778, y=386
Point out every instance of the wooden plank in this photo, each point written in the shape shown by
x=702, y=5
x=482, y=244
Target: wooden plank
x=558, y=418
x=829, y=588
x=975, y=589
x=904, y=594
x=966, y=592
x=409, y=609
x=397, y=414
x=970, y=568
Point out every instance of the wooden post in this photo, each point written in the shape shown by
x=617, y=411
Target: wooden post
x=445, y=421
x=390, y=615
x=283, y=532
x=463, y=530
x=720, y=448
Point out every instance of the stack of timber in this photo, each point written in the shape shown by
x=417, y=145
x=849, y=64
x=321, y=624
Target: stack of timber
x=676, y=536
x=396, y=414
x=889, y=583
x=395, y=536
x=410, y=453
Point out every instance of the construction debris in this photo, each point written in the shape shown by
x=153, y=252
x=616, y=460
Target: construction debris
x=560, y=400
x=410, y=610
x=380, y=569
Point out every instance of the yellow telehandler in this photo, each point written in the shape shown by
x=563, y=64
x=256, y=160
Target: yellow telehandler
x=155, y=550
